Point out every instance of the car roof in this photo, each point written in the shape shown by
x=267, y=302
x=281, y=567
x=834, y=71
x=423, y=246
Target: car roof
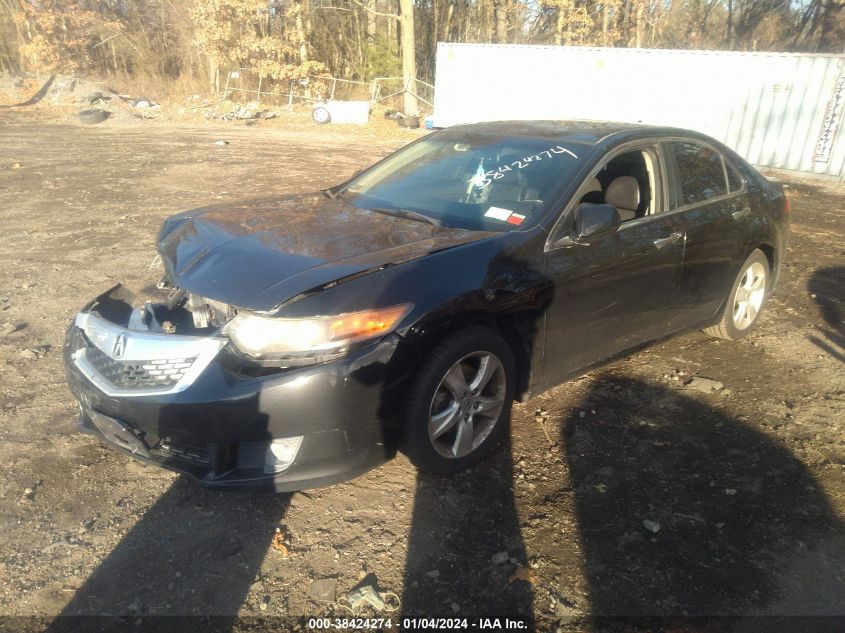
x=589, y=132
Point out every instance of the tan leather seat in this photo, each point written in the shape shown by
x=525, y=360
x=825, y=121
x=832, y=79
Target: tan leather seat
x=624, y=194
x=593, y=193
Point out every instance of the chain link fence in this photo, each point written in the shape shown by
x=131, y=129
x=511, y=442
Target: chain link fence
x=387, y=92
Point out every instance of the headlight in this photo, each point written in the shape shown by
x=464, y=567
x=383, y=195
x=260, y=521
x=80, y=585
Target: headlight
x=266, y=338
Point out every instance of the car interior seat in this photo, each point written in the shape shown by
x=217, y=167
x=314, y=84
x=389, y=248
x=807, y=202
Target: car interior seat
x=595, y=194
x=624, y=194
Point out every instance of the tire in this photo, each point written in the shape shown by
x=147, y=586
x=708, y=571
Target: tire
x=92, y=117
x=461, y=355
x=753, y=282
x=321, y=115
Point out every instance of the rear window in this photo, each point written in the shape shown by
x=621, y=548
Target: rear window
x=700, y=171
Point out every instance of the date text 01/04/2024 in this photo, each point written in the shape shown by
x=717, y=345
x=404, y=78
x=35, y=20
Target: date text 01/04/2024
x=418, y=624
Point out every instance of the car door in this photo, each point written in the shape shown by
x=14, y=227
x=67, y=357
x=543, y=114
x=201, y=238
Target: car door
x=710, y=197
x=616, y=292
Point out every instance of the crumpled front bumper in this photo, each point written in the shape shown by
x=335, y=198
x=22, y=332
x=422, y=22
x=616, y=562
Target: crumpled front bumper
x=207, y=417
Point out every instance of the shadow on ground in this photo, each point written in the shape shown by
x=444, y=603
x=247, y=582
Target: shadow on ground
x=827, y=286
x=685, y=511
x=162, y=568
x=459, y=523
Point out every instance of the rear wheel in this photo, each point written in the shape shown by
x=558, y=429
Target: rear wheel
x=746, y=299
x=460, y=402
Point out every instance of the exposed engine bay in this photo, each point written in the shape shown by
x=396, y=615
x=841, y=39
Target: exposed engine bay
x=180, y=312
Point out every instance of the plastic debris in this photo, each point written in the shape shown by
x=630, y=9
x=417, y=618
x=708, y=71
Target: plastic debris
x=367, y=593
x=323, y=590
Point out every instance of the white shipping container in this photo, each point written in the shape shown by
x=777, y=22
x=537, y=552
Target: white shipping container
x=779, y=110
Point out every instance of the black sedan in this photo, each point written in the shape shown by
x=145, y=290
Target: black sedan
x=301, y=341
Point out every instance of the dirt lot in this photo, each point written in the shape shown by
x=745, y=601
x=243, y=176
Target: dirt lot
x=653, y=498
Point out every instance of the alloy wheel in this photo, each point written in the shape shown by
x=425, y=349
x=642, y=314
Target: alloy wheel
x=320, y=115
x=749, y=295
x=467, y=404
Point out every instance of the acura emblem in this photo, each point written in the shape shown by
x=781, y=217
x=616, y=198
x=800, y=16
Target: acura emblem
x=119, y=346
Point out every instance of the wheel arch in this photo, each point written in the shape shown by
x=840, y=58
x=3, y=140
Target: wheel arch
x=506, y=326
x=771, y=255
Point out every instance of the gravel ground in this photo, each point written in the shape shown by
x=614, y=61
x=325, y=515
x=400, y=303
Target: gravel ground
x=625, y=492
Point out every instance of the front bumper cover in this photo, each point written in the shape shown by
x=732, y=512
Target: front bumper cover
x=216, y=426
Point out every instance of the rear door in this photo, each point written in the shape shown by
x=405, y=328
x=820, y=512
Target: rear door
x=710, y=199
x=614, y=293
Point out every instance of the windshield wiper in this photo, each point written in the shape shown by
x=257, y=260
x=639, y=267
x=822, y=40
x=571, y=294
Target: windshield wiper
x=406, y=214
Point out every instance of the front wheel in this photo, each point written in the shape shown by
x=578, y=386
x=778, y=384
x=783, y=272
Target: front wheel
x=745, y=301
x=460, y=402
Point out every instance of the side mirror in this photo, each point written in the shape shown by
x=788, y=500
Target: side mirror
x=595, y=220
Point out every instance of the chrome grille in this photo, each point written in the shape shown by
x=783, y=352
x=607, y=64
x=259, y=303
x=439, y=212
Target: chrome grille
x=124, y=362
x=131, y=374
x=139, y=374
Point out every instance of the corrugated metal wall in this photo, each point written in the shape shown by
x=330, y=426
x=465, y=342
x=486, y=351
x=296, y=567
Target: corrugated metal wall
x=775, y=109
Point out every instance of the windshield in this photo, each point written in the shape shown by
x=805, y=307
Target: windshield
x=468, y=181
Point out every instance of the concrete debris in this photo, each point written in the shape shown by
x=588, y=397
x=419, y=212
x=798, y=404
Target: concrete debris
x=704, y=385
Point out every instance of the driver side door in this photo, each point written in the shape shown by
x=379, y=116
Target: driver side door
x=619, y=290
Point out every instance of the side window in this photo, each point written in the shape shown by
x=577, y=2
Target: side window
x=628, y=182
x=700, y=172
x=734, y=179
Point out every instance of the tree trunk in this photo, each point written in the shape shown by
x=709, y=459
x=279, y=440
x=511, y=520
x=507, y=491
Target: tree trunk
x=213, y=74
x=371, y=20
x=605, y=23
x=409, y=55
x=729, y=27
x=640, y=25
x=447, y=29
x=500, y=16
x=301, y=32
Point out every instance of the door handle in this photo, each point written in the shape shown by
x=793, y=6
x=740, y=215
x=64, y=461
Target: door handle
x=738, y=215
x=665, y=241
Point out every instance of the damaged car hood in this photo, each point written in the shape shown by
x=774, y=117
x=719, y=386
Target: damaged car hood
x=260, y=253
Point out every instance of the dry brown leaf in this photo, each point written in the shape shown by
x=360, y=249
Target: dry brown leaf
x=279, y=543
x=522, y=573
